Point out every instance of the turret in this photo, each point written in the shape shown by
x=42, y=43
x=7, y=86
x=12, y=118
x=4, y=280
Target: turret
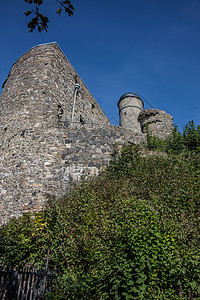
x=130, y=106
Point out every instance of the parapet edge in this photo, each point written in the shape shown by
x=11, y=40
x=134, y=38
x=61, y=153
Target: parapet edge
x=126, y=95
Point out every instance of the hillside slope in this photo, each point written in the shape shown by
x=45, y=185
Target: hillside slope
x=130, y=233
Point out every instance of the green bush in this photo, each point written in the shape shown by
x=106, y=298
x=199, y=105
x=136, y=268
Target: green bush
x=130, y=233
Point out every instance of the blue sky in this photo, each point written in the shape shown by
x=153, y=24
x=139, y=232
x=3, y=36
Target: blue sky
x=141, y=46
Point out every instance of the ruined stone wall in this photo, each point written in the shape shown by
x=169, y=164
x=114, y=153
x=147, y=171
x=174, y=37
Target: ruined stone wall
x=41, y=151
x=37, y=161
x=36, y=105
x=39, y=91
x=160, y=124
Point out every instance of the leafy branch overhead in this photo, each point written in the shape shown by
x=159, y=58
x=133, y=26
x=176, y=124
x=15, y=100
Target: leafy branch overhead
x=39, y=20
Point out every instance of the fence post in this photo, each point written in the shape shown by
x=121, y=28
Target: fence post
x=47, y=261
x=12, y=288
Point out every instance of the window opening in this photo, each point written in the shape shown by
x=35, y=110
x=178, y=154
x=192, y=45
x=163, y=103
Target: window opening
x=82, y=120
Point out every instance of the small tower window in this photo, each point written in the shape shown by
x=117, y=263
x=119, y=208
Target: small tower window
x=59, y=112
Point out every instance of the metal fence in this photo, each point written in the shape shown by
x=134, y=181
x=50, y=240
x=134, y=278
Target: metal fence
x=26, y=283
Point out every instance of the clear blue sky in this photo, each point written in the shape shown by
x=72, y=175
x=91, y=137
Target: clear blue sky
x=150, y=47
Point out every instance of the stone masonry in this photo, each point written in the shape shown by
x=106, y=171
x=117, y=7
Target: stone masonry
x=159, y=123
x=41, y=150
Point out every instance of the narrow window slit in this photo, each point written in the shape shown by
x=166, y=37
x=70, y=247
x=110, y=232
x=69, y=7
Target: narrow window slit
x=82, y=120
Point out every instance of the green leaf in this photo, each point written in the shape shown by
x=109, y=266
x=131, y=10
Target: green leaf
x=59, y=11
x=28, y=12
x=38, y=2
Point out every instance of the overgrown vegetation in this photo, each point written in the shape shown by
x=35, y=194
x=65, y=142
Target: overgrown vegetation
x=130, y=233
x=177, y=142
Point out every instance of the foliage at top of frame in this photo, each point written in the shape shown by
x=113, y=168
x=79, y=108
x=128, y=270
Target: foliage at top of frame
x=41, y=21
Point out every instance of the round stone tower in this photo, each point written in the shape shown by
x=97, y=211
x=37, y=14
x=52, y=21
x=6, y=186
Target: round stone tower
x=130, y=106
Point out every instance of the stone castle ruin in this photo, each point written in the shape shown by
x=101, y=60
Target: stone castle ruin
x=53, y=131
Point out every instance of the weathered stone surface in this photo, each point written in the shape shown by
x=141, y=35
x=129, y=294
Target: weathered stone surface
x=41, y=152
x=133, y=117
x=31, y=168
x=130, y=105
x=159, y=123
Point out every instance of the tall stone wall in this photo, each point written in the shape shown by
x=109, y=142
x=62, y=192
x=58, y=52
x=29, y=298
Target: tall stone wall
x=36, y=104
x=37, y=161
x=39, y=91
x=41, y=151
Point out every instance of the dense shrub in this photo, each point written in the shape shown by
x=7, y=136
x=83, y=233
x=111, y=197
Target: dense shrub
x=191, y=135
x=130, y=233
x=177, y=142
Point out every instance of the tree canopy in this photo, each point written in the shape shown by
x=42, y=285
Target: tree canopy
x=41, y=21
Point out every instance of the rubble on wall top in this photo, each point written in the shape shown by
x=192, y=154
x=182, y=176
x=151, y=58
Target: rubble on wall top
x=152, y=111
